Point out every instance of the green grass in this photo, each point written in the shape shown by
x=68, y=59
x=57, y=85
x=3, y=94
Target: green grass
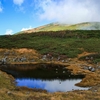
x=60, y=26
x=58, y=42
x=53, y=28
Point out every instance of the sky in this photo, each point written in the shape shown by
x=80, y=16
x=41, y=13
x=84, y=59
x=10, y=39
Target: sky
x=19, y=15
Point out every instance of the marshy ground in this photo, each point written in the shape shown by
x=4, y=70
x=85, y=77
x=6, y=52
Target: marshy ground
x=9, y=91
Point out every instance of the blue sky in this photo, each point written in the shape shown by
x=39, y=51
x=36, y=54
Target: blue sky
x=17, y=15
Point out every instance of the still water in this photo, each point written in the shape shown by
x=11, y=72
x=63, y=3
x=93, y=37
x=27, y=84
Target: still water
x=44, y=76
x=50, y=85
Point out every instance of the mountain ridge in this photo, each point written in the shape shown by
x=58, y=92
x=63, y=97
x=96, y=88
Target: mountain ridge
x=58, y=27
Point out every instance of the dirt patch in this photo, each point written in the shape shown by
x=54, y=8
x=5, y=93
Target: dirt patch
x=25, y=50
x=85, y=54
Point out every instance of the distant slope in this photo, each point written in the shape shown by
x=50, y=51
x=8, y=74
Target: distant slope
x=59, y=27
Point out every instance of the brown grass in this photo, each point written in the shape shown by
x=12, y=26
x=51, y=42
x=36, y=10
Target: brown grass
x=11, y=92
x=8, y=91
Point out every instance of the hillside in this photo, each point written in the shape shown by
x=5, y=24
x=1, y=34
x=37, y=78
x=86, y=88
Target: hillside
x=58, y=27
x=78, y=50
x=69, y=43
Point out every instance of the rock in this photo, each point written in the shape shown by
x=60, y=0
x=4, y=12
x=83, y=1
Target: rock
x=66, y=61
x=64, y=67
x=69, y=59
x=58, y=58
x=44, y=56
x=4, y=60
x=43, y=59
x=23, y=59
x=14, y=59
x=63, y=71
x=72, y=73
x=89, y=67
x=52, y=58
x=56, y=71
x=98, y=67
x=95, y=90
x=86, y=67
x=62, y=61
x=0, y=61
x=92, y=69
x=9, y=93
x=87, y=58
x=6, y=53
x=91, y=58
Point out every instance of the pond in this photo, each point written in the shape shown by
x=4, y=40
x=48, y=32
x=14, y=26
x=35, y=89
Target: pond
x=44, y=76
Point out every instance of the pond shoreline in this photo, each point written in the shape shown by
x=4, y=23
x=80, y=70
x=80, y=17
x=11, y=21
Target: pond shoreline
x=94, y=87
x=75, y=70
x=9, y=91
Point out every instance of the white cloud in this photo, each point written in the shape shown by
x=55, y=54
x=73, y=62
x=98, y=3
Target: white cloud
x=9, y=32
x=19, y=6
x=23, y=29
x=69, y=11
x=1, y=8
x=18, y=2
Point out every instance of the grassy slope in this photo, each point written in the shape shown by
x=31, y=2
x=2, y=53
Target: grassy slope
x=69, y=43
x=57, y=27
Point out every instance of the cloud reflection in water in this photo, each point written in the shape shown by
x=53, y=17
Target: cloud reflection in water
x=50, y=85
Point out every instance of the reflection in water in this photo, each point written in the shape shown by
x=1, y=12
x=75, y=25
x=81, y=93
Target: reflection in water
x=50, y=85
x=44, y=76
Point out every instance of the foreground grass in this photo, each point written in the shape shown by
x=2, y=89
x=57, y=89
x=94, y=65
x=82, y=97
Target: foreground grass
x=10, y=92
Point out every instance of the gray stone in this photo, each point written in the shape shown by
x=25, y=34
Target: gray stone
x=43, y=59
x=63, y=71
x=58, y=58
x=0, y=61
x=56, y=71
x=6, y=53
x=66, y=61
x=86, y=67
x=14, y=59
x=32, y=60
x=95, y=90
x=91, y=58
x=72, y=73
x=87, y=58
x=98, y=67
x=4, y=60
x=23, y=59
x=9, y=93
x=52, y=58
x=62, y=61
x=92, y=69
x=44, y=56
x=69, y=59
